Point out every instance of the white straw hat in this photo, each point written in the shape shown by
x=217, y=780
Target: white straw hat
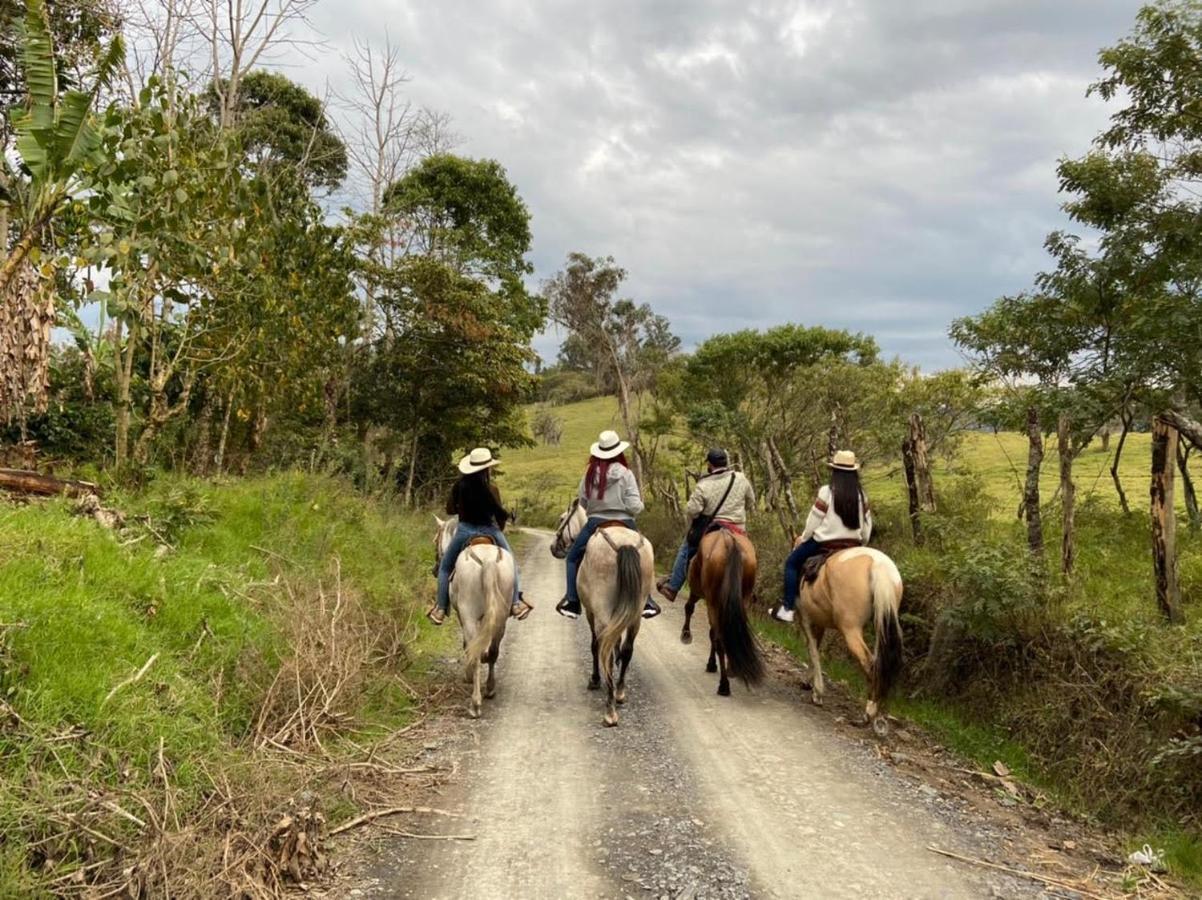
x=477, y=461
x=846, y=460
x=609, y=445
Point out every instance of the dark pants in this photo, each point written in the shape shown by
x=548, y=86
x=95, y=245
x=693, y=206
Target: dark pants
x=576, y=553
x=793, y=566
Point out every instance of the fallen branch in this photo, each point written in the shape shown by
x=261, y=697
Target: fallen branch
x=23, y=481
x=1043, y=879
x=131, y=680
x=431, y=837
x=390, y=811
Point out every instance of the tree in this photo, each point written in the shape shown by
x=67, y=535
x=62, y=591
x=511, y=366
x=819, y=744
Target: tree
x=626, y=344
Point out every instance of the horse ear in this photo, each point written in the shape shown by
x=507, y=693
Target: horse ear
x=439, y=521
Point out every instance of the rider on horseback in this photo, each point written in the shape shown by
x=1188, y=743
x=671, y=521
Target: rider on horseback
x=477, y=502
x=723, y=496
x=841, y=517
x=608, y=493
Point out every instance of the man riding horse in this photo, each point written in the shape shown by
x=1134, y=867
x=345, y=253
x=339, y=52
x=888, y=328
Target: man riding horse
x=608, y=493
x=477, y=502
x=722, y=497
x=840, y=518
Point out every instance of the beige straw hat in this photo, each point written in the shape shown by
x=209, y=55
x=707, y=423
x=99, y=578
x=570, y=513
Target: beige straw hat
x=846, y=460
x=477, y=461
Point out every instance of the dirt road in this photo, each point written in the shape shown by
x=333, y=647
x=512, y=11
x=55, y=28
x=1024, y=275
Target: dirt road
x=692, y=796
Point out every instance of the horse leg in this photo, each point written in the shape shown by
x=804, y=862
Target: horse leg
x=814, y=639
x=611, y=697
x=624, y=663
x=855, y=643
x=686, y=633
x=490, y=686
x=594, y=682
x=711, y=664
x=723, y=681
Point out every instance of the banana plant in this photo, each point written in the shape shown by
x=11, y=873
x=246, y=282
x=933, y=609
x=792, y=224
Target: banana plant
x=58, y=135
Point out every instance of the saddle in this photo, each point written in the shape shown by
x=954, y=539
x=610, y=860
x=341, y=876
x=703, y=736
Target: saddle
x=612, y=523
x=480, y=540
x=813, y=565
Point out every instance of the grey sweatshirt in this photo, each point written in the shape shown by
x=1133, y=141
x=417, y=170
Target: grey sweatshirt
x=621, y=500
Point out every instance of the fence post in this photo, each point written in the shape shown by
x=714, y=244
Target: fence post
x=1164, y=521
x=912, y=490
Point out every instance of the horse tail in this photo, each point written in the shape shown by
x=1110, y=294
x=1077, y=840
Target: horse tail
x=627, y=607
x=742, y=650
x=886, y=586
x=496, y=605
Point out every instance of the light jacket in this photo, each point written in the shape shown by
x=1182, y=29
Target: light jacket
x=824, y=524
x=621, y=499
x=709, y=491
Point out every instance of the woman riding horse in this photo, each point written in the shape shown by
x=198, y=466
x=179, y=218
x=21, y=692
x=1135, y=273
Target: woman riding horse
x=477, y=502
x=723, y=496
x=608, y=492
x=841, y=517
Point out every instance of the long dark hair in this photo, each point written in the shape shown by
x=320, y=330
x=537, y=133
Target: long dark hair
x=597, y=475
x=845, y=496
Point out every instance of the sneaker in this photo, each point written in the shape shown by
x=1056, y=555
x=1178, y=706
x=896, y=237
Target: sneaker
x=651, y=609
x=569, y=609
x=436, y=615
x=666, y=590
x=781, y=614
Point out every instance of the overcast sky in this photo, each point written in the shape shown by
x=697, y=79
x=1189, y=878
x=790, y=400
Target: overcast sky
x=876, y=165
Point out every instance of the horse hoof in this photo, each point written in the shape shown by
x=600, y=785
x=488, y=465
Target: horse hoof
x=711, y=667
x=724, y=690
x=594, y=684
x=686, y=638
x=880, y=725
x=816, y=700
x=490, y=693
x=611, y=720
x=473, y=711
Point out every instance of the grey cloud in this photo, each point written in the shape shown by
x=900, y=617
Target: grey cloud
x=870, y=164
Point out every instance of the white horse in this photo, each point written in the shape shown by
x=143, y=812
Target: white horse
x=614, y=577
x=481, y=594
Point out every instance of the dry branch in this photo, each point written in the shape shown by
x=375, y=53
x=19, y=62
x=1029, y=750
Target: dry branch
x=390, y=811
x=131, y=680
x=23, y=481
x=1043, y=879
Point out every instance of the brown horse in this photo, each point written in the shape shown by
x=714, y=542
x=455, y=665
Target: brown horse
x=854, y=586
x=723, y=573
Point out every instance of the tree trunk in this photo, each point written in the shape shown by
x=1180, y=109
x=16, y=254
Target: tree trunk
x=922, y=466
x=631, y=427
x=1031, y=489
x=912, y=489
x=1114, y=466
x=1185, y=426
x=1187, y=486
x=223, y=441
x=125, y=375
x=25, y=482
x=411, y=477
x=1104, y=434
x=1164, y=521
x=203, y=456
x=1068, y=493
x=786, y=482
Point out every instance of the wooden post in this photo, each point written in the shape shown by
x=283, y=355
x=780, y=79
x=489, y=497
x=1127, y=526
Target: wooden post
x=1068, y=492
x=1164, y=521
x=922, y=465
x=1031, y=490
x=1190, y=494
x=912, y=490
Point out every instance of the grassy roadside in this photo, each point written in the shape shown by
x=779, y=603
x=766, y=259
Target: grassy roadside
x=140, y=670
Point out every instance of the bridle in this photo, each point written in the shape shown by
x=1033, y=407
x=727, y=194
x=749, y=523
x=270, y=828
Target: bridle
x=562, y=539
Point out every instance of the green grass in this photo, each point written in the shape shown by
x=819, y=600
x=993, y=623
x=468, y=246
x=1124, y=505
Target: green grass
x=86, y=608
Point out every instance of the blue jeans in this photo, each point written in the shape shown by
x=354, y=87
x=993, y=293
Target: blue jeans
x=680, y=568
x=463, y=534
x=793, y=570
x=576, y=553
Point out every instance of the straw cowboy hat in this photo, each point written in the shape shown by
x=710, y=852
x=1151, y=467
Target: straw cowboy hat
x=609, y=445
x=845, y=460
x=477, y=461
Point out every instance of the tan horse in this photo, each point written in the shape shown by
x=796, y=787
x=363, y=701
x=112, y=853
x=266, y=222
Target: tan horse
x=614, y=578
x=854, y=586
x=723, y=573
x=481, y=593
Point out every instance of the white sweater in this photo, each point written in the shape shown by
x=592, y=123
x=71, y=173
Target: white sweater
x=824, y=524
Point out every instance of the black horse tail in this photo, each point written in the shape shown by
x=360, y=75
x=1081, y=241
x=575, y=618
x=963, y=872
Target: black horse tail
x=887, y=654
x=742, y=650
x=628, y=607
